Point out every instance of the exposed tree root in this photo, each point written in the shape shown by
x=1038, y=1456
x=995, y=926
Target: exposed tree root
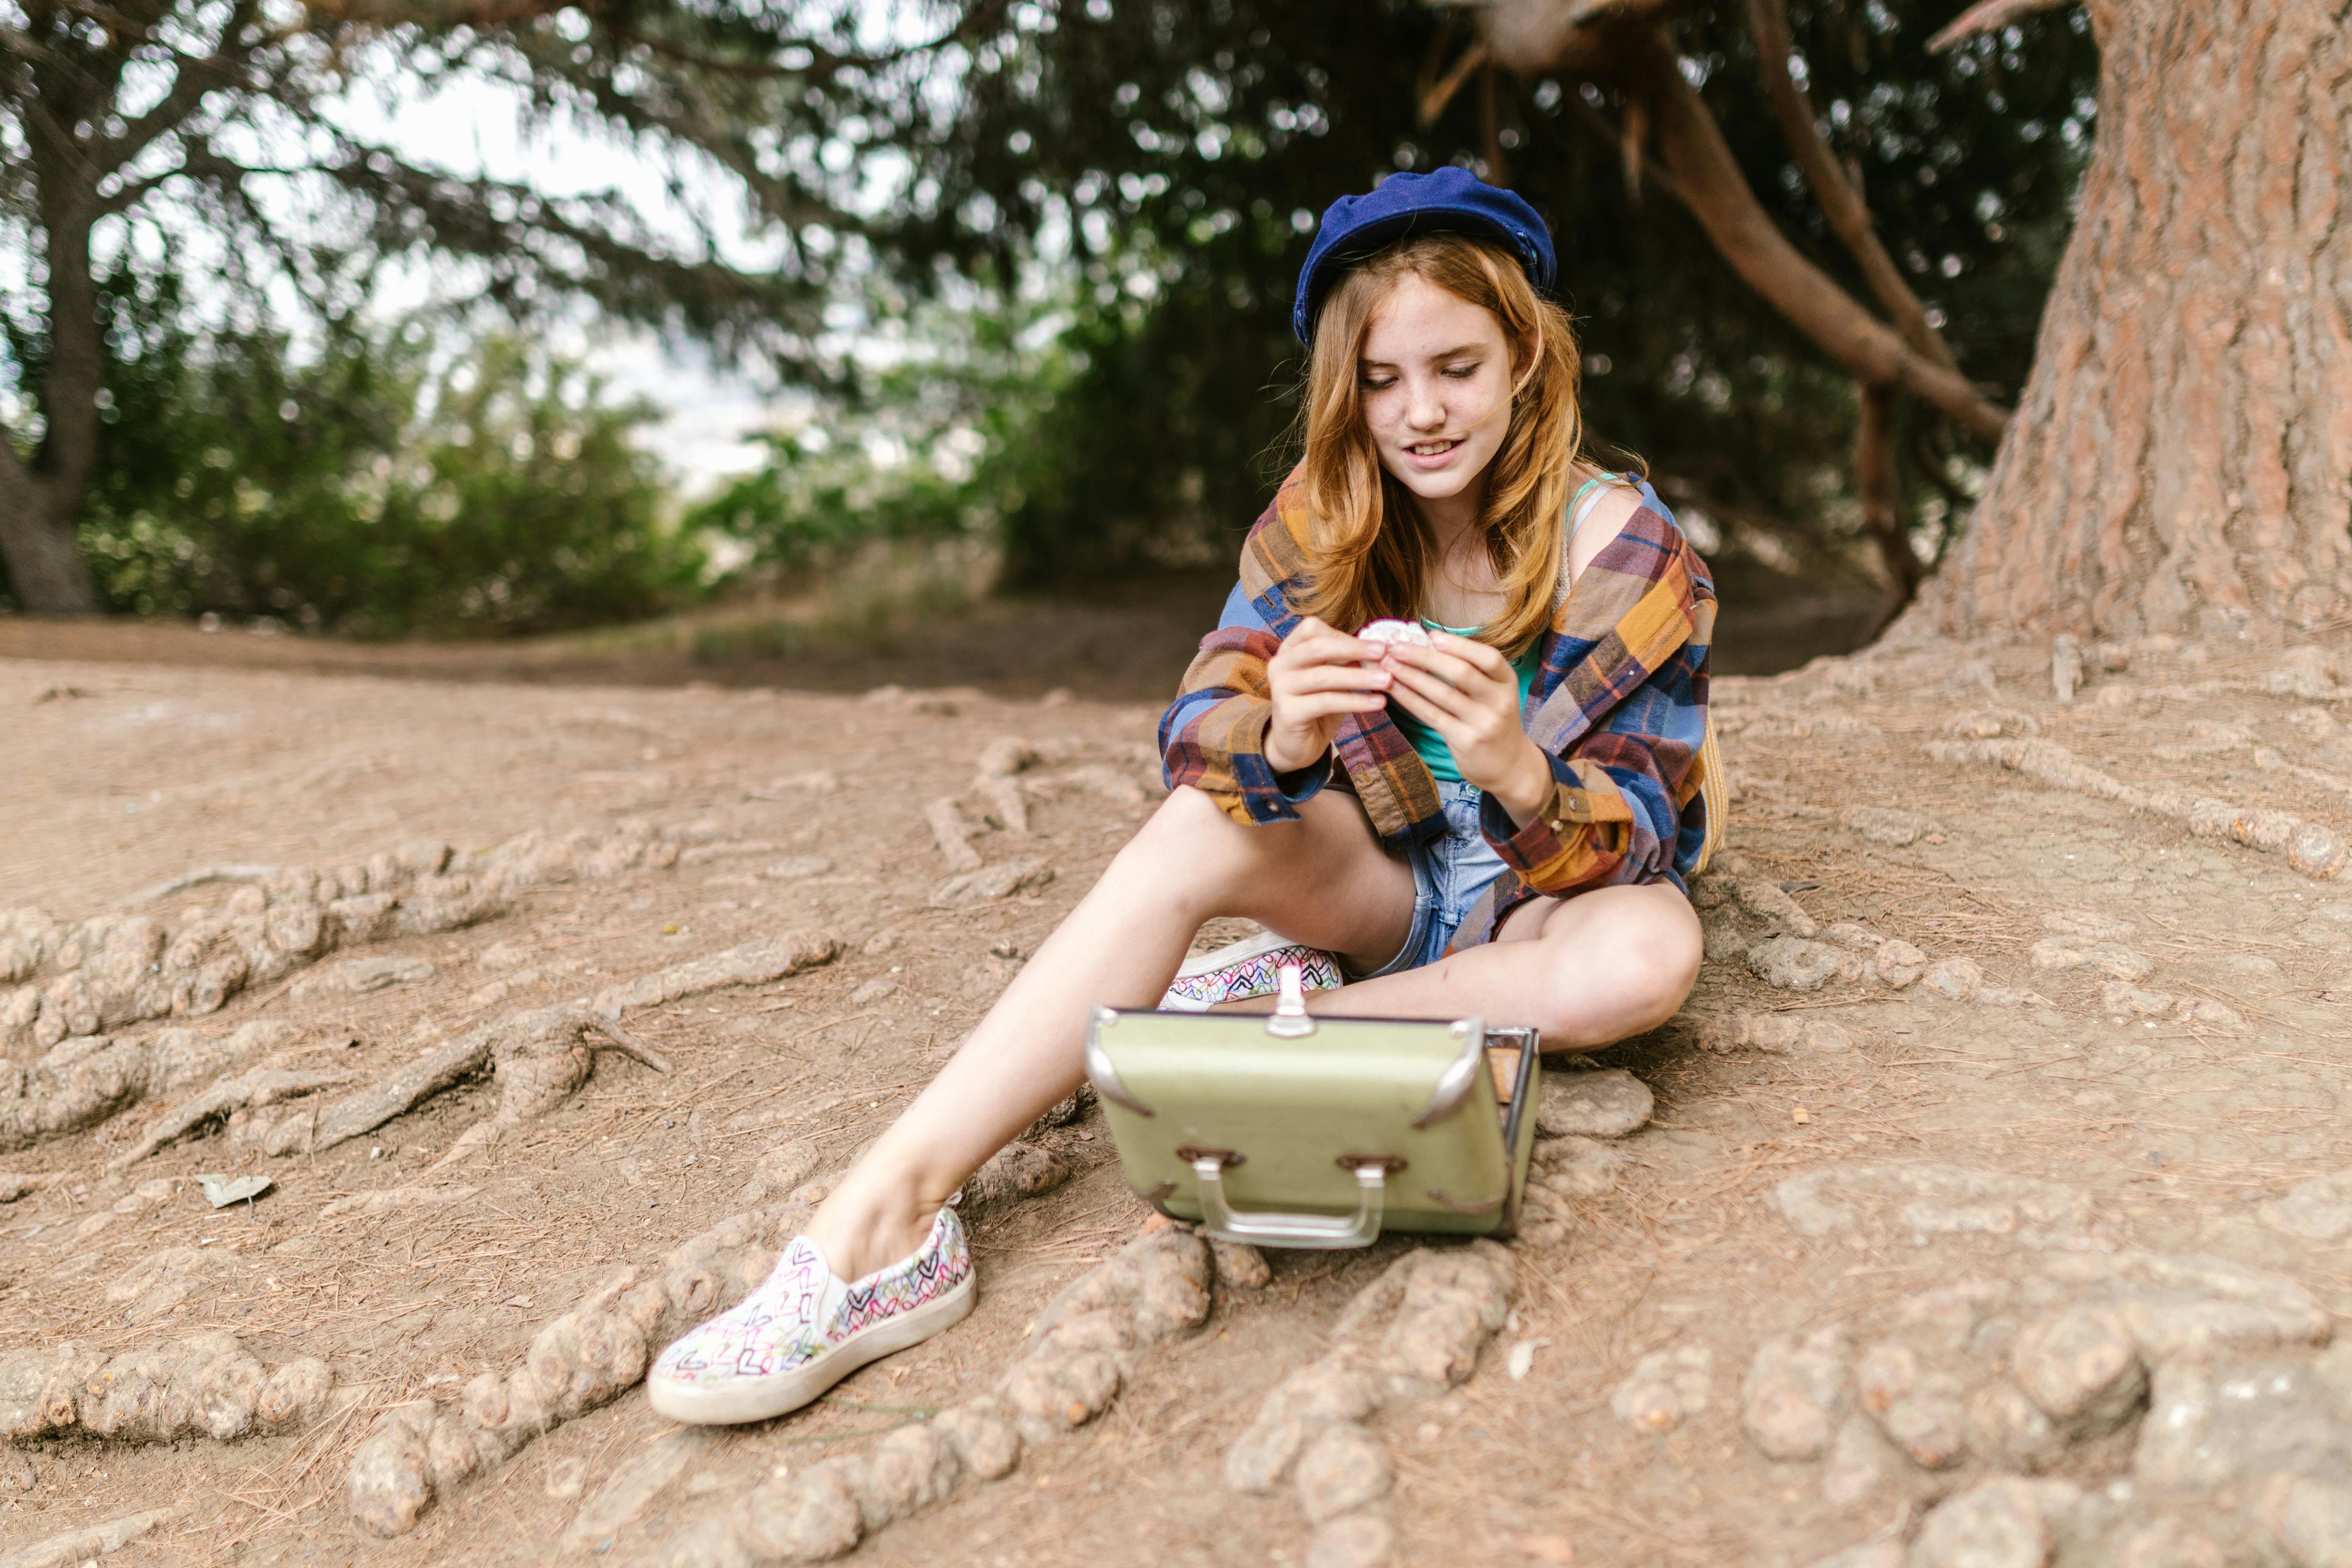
x=262, y=1086
x=2270, y=762
x=91, y=1542
x=1020, y=1170
x=1794, y=953
x=423, y=1451
x=2211, y=1361
x=1919, y=1202
x=1004, y=781
x=201, y=876
x=991, y=883
x=15, y=1184
x=952, y=835
x=205, y=1386
x=83, y=1081
x=121, y=969
x=2310, y=847
x=542, y=1054
x=1415, y=1332
x=1084, y=1348
x=1001, y=761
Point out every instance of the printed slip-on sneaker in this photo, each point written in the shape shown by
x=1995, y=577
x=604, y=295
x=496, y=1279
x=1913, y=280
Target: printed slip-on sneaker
x=1250, y=967
x=805, y=1328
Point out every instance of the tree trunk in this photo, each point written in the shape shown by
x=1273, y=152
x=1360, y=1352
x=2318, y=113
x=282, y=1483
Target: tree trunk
x=37, y=507
x=1878, y=485
x=2182, y=457
x=45, y=564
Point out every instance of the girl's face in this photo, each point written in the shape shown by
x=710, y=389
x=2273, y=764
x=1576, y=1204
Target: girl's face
x=1436, y=381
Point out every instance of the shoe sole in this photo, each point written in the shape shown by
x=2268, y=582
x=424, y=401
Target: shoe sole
x=765, y=1398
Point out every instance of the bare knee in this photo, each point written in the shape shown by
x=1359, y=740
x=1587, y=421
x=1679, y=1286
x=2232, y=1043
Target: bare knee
x=1632, y=971
x=1188, y=845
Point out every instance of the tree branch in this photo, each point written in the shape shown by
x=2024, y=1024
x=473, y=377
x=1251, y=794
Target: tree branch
x=1987, y=15
x=195, y=78
x=25, y=46
x=1843, y=204
x=1436, y=91
x=1691, y=146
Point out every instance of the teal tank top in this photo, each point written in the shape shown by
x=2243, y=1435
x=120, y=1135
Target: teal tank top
x=1428, y=742
x=1432, y=745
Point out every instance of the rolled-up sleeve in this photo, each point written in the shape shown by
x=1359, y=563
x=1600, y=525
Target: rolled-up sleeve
x=1611, y=817
x=1212, y=736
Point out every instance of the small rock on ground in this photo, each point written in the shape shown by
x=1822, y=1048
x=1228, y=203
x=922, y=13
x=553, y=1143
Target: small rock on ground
x=1240, y=1265
x=1606, y=1104
x=1343, y=1468
x=1667, y=1387
x=2003, y=1523
x=1357, y=1540
x=1886, y=824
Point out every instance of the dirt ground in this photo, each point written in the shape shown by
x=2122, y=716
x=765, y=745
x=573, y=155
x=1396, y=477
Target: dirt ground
x=1993, y=1141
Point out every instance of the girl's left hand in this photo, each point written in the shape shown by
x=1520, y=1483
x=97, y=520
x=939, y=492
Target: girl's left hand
x=1469, y=694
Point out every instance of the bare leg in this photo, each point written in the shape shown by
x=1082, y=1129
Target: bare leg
x=1323, y=880
x=1585, y=971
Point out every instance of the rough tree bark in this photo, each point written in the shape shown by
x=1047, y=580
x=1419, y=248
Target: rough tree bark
x=37, y=504
x=2182, y=454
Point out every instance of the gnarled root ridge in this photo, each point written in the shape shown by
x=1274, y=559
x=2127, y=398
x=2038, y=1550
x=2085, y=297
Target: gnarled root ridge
x=2209, y=1378
x=541, y=1055
x=2312, y=848
x=90, y=1541
x=1084, y=1348
x=205, y=1386
x=424, y=1449
x=119, y=969
x=1415, y=1331
x=82, y=1081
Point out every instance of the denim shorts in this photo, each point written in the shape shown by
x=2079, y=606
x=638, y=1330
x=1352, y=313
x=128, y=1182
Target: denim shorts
x=1449, y=875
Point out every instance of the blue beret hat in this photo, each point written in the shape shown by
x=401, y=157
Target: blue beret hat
x=1445, y=200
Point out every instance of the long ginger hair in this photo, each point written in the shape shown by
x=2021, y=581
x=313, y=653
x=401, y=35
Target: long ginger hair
x=1369, y=551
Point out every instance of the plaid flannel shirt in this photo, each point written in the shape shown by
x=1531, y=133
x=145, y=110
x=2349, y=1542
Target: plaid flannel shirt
x=1619, y=706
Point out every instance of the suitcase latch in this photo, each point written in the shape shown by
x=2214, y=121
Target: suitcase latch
x=1290, y=1020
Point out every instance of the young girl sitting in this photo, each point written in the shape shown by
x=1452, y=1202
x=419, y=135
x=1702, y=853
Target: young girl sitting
x=1497, y=823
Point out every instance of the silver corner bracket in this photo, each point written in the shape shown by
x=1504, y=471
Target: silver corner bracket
x=1104, y=1076
x=1454, y=1083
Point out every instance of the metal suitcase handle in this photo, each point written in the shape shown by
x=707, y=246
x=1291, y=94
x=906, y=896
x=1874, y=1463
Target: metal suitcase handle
x=1306, y=1230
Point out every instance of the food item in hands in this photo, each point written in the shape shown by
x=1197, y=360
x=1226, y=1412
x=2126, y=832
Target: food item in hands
x=1395, y=632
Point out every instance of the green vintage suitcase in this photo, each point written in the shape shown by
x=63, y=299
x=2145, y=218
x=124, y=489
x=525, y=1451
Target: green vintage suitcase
x=1299, y=1130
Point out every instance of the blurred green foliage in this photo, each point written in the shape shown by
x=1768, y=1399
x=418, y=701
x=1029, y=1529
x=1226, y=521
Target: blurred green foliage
x=372, y=485
x=923, y=446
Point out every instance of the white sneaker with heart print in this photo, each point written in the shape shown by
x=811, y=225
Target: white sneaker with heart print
x=805, y=1328
x=1250, y=967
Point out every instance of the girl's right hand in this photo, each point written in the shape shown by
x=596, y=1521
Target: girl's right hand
x=1318, y=678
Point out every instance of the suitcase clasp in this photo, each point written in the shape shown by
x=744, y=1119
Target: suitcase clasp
x=1290, y=1020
